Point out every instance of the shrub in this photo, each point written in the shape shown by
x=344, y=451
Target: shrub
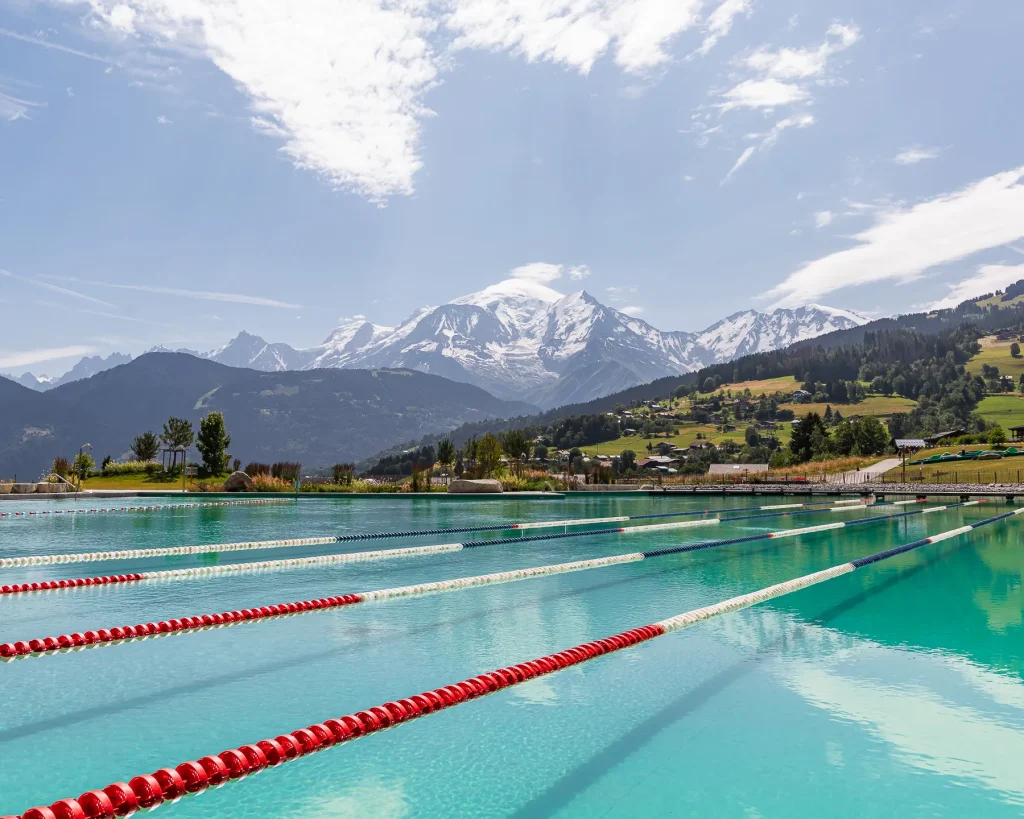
x=263, y=482
x=62, y=467
x=131, y=468
x=342, y=474
x=236, y=465
x=286, y=470
x=256, y=468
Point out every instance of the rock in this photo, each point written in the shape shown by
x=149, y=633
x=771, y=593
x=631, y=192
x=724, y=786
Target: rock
x=47, y=488
x=23, y=488
x=5, y=488
x=464, y=487
x=238, y=482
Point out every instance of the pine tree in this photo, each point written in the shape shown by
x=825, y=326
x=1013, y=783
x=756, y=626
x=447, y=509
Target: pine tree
x=213, y=442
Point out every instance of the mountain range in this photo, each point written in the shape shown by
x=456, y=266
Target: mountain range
x=316, y=417
x=522, y=340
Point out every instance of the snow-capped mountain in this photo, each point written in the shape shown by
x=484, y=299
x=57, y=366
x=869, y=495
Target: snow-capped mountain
x=85, y=368
x=521, y=340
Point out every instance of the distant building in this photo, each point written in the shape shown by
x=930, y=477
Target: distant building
x=737, y=469
x=801, y=396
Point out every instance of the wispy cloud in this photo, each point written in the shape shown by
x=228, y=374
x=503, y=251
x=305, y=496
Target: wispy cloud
x=163, y=120
x=547, y=272
x=743, y=159
x=25, y=358
x=13, y=108
x=345, y=92
x=823, y=218
x=905, y=243
x=53, y=288
x=720, y=22
x=782, y=77
x=631, y=310
x=204, y=295
x=911, y=156
x=39, y=41
x=987, y=279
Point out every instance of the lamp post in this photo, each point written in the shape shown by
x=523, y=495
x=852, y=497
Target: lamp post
x=81, y=452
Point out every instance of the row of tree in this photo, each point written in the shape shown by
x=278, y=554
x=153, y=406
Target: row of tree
x=178, y=435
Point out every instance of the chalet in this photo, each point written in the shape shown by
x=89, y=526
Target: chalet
x=1017, y=433
x=801, y=396
x=701, y=445
x=931, y=440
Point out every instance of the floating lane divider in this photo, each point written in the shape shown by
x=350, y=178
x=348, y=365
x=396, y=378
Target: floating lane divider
x=174, y=551
x=195, y=776
x=193, y=623
x=191, y=505
x=323, y=560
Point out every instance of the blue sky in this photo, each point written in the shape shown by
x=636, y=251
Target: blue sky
x=173, y=171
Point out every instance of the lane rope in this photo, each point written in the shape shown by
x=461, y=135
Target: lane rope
x=195, y=776
x=331, y=559
x=154, y=507
x=192, y=623
x=281, y=543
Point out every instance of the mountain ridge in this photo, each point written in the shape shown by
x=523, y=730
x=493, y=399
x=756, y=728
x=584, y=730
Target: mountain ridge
x=520, y=339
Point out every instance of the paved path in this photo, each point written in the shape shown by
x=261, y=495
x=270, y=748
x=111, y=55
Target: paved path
x=867, y=474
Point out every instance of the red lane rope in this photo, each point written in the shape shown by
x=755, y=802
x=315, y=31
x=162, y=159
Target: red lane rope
x=195, y=776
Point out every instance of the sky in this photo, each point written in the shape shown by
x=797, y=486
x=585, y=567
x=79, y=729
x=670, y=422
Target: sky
x=175, y=171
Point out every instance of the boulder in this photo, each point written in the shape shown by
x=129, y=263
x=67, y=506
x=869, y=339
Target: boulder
x=47, y=488
x=238, y=482
x=23, y=488
x=5, y=488
x=465, y=487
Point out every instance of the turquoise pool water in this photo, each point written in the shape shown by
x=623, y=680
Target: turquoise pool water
x=894, y=691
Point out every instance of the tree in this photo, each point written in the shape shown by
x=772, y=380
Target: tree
x=445, y=453
x=146, y=446
x=996, y=436
x=803, y=441
x=488, y=456
x=84, y=464
x=213, y=442
x=627, y=460
x=870, y=436
x=177, y=435
x=709, y=384
x=751, y=436
x=540, y=452
x=1015, y=350
x=107, y=460
x=828, y=415
x=515, y=445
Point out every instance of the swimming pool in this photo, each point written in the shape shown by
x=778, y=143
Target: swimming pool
x=894, y=691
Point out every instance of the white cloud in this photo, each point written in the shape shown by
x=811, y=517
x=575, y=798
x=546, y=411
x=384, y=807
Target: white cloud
x=766, y=93
x=343, y=83
x=233, y=298
x=823, y=218
x=687, y=178
x=802, y=63
x=14, y=108
x=782, y=79
x=574, y=33
x=631, y=310
x=911, y=156
x=547, y=272
x=988, y=279
x=903, y=244
x=162, y=120
x=797, y=121
x=744, y=157
x=26, y=358
x=538, y=272
x=720, y=22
